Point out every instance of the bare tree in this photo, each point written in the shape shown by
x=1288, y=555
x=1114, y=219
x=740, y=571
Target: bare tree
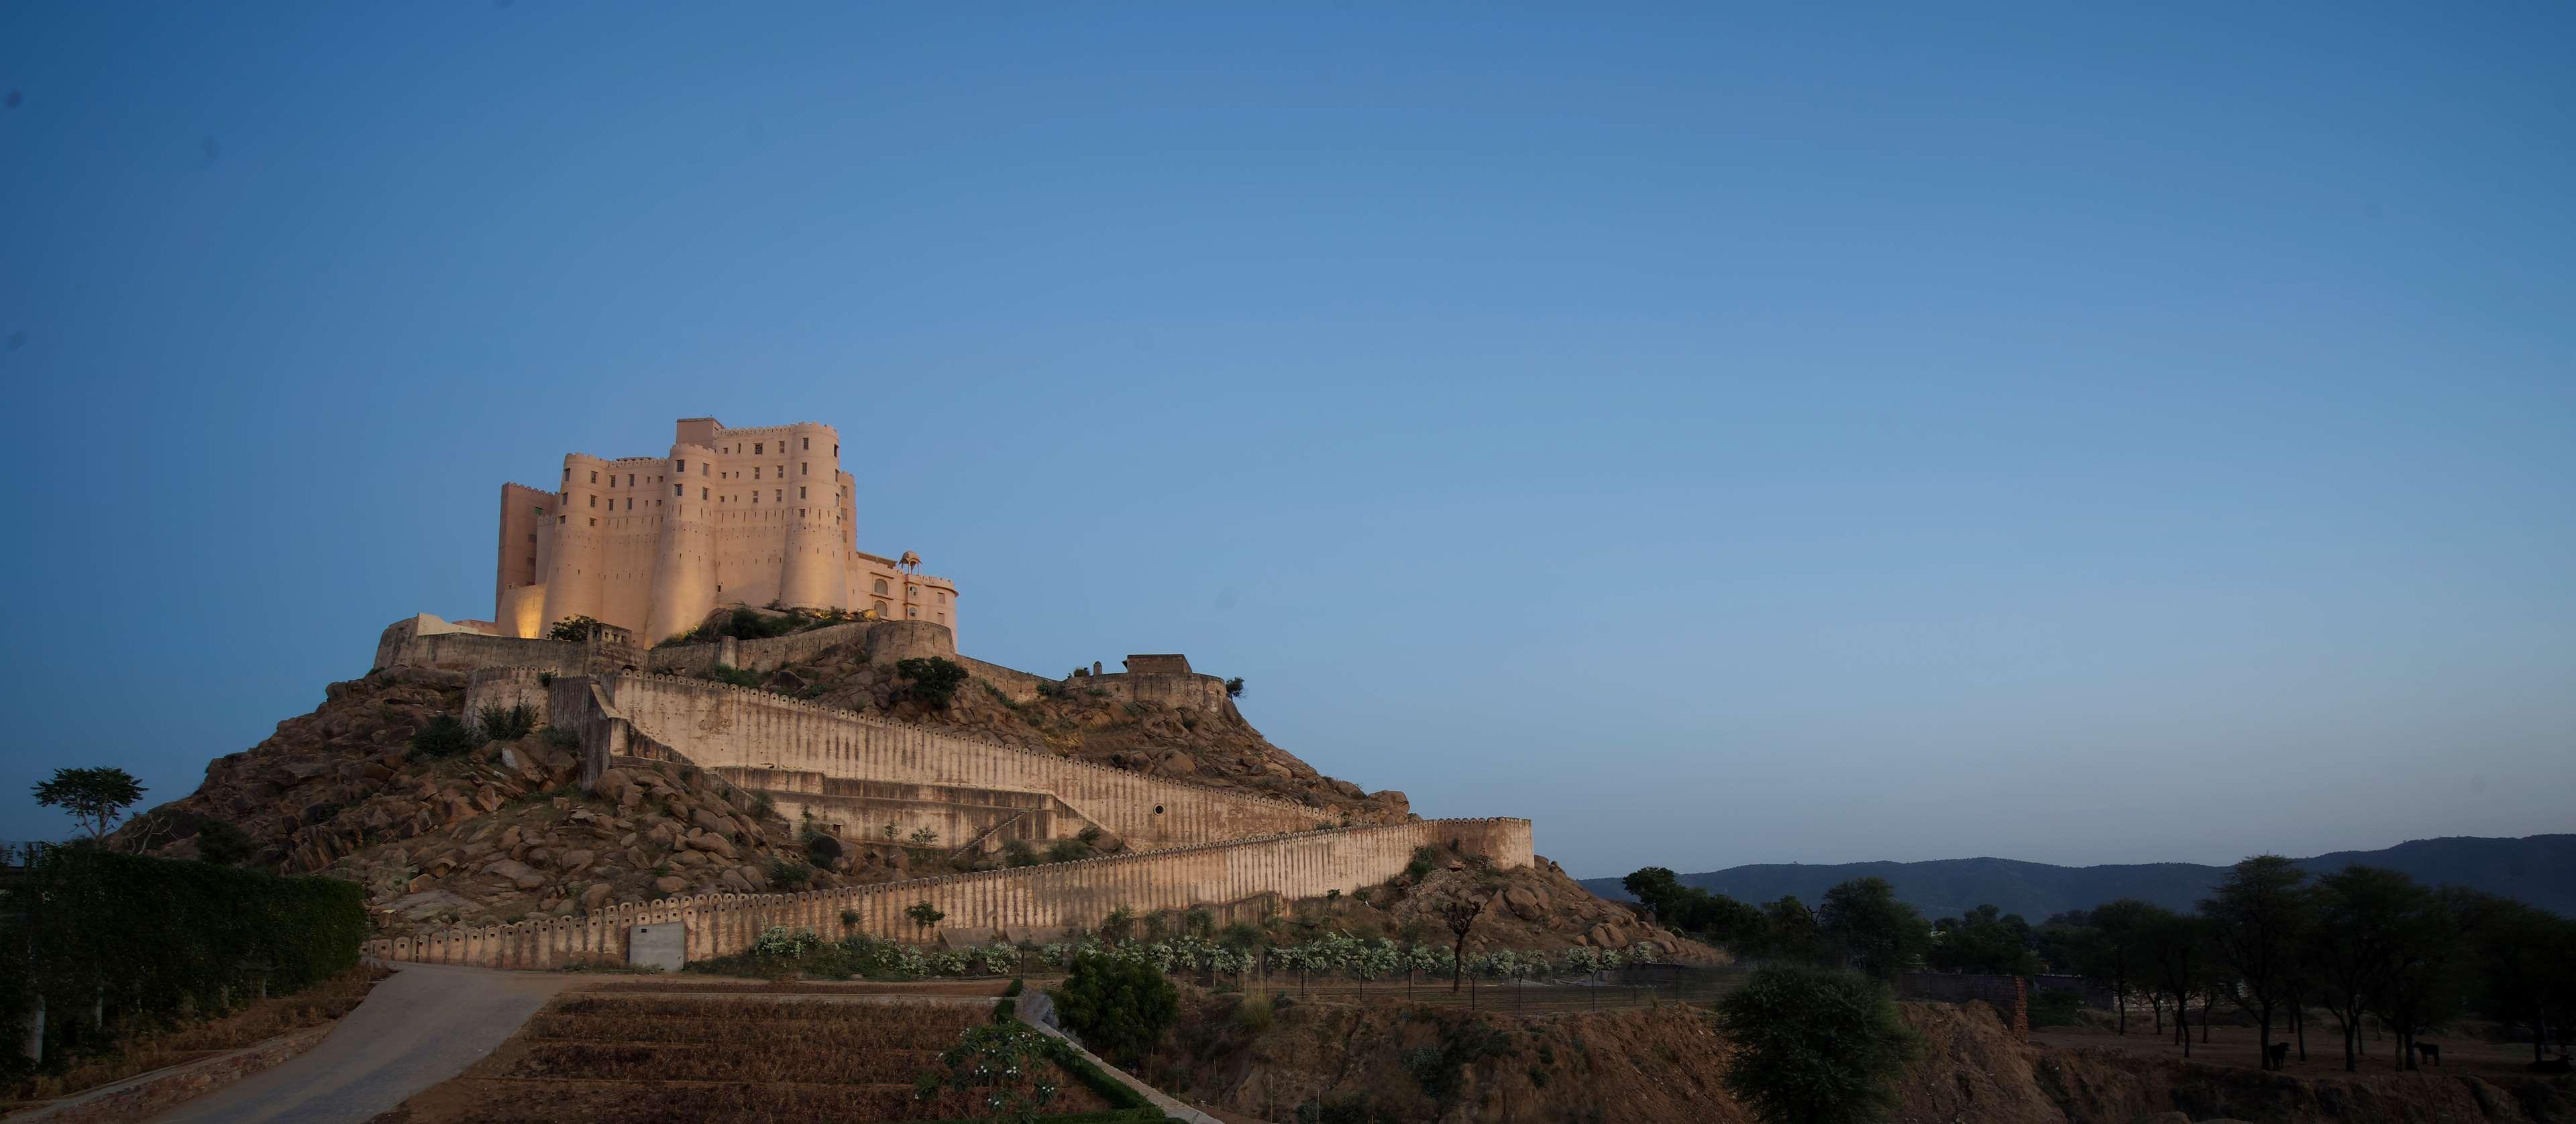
x=1461, y=915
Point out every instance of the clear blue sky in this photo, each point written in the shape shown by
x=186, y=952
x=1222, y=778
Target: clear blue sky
x=2057, y=432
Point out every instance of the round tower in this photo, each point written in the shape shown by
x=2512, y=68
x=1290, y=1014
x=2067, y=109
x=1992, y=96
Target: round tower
x=816, y=568
x=576, y=574
x=684, y=558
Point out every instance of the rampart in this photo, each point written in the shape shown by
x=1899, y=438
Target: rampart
x=729, y=728
x=1017, y=903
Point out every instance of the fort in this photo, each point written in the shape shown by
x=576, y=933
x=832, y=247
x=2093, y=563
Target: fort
x=640, y=552
x=650, y=545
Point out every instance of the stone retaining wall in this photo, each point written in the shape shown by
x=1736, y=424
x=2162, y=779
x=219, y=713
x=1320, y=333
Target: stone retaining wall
x=1019, y=903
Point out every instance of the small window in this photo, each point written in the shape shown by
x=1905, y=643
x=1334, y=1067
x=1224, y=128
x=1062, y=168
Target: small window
x=912, y=610
x=912, y=591
x=1158, y=809
x=594, y=522
x=594, y=477
x=779, y=494
x=594, y=501
x=881, y=587
x=755, y=472
x=702, y=468
x=540, y=509
x=804, y=468
x=630, y=480
x=800, y=513
x=808, y=442
x=943, y=598
x=800, y=491
x=881, y=608
x=836, y=450
x=675, y=490
x=702, y=493
x=630, y=503
x=755, y=449
x=559, y=520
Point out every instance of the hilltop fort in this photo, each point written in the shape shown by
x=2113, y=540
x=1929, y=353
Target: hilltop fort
x=700, y=705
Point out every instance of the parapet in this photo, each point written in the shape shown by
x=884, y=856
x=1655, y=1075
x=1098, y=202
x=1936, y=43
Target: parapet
x=1169, y=664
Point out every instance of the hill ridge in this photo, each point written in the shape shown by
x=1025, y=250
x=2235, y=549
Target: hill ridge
x=2539, y=869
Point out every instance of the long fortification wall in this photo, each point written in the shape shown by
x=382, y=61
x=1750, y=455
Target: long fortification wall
x=1018, y=903
x=719, y=727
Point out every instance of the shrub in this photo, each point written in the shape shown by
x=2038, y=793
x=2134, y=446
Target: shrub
x=545, y=679
x=849, y=919
x=1234, y=687
x=224, y=843
x=1090, y=836
x=727, y=673
x=1120, y=1008
x=924, y=836
x=790, y=873
x=1119, y=925
x=508, y=723
x=443, y=737
x=923, y=914
x=1067, y=850
x=574, y=629
x=1253, y=1012
x=1017, y=852
x=1425, y=858
x=560, y=738
x=1814, y=1045
x=934, y=680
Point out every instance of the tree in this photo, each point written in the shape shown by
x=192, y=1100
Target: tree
x=1118, y=1007
x=1789, y=932
x=1985, y=940
x=2172, y=944
x=1689, y=909
x=2259, y=919
x=934, y=680
x=1814, y=1046
x=1461, y=914
x=1234, y=687
x=95, y=797
x=2107, y=943
x=2364, y=918
x=2517, y=957
x=574, y=628
x=924, y=914
x=1872, y=930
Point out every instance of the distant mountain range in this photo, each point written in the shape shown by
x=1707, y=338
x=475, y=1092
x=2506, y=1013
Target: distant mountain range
x=2539, y=869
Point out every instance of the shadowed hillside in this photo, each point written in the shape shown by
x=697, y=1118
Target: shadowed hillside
x=2539, y=869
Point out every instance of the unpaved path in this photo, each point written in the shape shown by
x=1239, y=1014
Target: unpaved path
x=421, y=1027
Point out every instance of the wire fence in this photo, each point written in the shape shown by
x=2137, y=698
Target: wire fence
x=1645, y=985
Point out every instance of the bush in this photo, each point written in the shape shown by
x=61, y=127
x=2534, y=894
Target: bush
x=159, y=940
x=574, y=629
x=508, y=723
x=1067, y=850
x=1814, y=1046
x=1253, y=1012
x=1119, y=1008
x=223, y=843
x=443, y=737
x=1017, y=852
x=790, y=873
x=560, y=738
x=727, y=673
x=2054, y=1008
x=934, y=680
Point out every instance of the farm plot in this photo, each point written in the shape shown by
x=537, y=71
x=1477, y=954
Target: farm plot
x=745, y=1059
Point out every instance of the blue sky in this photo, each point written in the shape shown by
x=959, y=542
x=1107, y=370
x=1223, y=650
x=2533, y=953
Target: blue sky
x=1807, y=434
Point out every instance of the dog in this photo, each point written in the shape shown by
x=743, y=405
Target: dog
x=2279, y=1052
x=2429, y=1052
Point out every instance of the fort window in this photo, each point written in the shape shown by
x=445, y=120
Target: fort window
x=912, y=610
x=702, y=493
x=804, y=468
x=559, y=520
x=594, y=501
x=755, y=472
x=675, y=490
x=755, y=448
x=836, y=450
x=881, y=608
x=800, y=491
x=808, y=442
x=880, y=585
x=594, y=477
x=779, y=494
x=540, y=509
x=630, y=503
x=1158, y=809
x=630, y=480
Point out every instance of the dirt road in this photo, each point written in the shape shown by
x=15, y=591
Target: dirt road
x=419, y=1028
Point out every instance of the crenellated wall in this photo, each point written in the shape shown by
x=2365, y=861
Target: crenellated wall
x=1018, y=903
x=719, y=727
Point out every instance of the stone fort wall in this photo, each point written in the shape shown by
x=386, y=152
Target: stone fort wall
x=741, y=732
x=1020, y=903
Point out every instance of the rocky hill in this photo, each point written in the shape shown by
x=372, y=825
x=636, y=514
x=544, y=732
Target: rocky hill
x=496, y=831
x=2539, y=869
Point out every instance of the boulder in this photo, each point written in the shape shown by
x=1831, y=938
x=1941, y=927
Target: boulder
x=670, y=884
x=518, y=873
x=1526, y=904
x=596, y=896
x=733, y=880
x=574, y=860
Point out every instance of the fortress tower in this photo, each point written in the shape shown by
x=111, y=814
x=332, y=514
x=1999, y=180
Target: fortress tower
x=729, y=517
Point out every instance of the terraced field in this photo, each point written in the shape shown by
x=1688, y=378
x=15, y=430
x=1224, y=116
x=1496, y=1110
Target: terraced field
x=741, y=1057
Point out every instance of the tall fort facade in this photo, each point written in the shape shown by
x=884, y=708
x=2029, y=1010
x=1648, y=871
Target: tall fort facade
x=651, y=545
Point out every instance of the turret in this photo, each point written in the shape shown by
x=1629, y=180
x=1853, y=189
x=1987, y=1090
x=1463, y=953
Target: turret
x=577, y=573
x=684, y=561
x=814, y=575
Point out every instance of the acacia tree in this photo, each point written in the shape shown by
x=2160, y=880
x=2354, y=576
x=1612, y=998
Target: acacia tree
x=2259, y=919
x=1875, y=932
x=2364, y=918
x=2172, y=943
x=95, y=797
x=1814, y=1045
